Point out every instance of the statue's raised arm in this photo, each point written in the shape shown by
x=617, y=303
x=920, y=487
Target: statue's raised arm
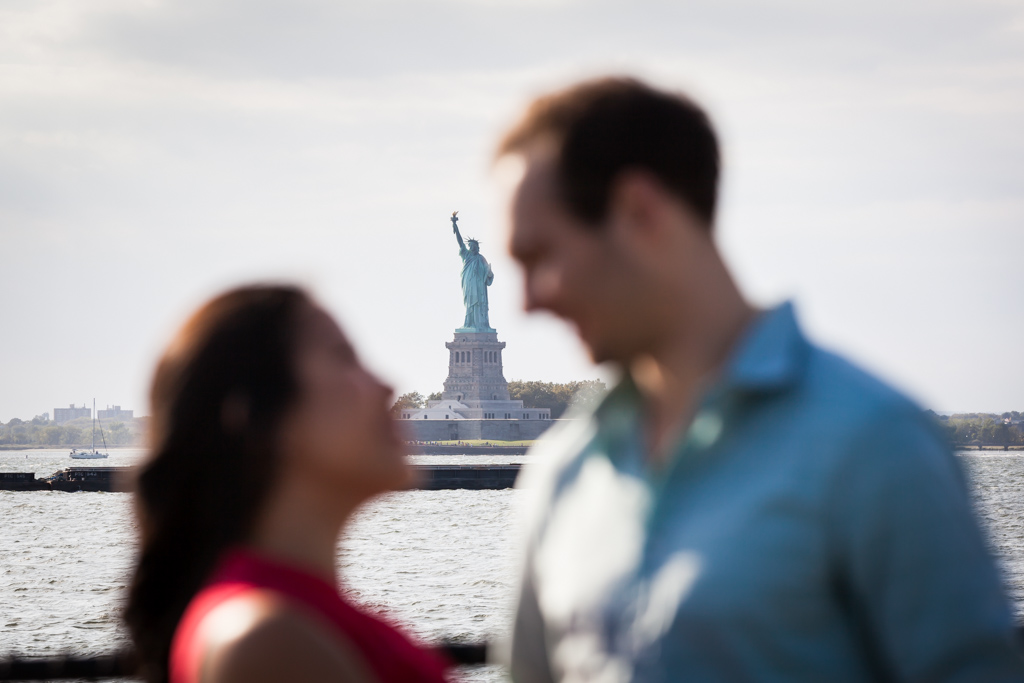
x=455, y=229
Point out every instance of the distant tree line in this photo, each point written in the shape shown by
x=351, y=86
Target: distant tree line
x=982, y=429
x=556, y=397
x=40, y=431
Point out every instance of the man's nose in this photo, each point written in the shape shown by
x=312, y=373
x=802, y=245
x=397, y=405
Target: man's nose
x=529, y=300
x=382, y=387
x=542, y=291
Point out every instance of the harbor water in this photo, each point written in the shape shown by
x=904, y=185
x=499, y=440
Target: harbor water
x=439, y=562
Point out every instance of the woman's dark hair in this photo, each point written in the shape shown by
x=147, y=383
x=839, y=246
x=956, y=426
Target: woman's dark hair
x=218, y=396
x=604, y=127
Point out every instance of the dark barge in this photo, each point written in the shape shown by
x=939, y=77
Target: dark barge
x=430, y=478
x=432, y=449
x=478, y=477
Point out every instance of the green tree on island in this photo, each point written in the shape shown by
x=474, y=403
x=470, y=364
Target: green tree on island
x=409, y=401
x=557, y=397
x=118, y=434
x=981, y=429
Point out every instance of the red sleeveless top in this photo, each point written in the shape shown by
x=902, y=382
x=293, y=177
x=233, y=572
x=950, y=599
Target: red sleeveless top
x=387, y=652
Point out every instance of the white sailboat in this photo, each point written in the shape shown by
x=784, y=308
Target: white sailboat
x=92, y=454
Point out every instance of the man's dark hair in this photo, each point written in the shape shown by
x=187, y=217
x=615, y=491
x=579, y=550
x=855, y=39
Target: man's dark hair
x=603, y=127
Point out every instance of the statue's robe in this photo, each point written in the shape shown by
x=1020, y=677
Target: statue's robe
x=476, y=276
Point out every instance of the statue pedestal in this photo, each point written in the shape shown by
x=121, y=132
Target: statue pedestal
x=475, y=403
x=475, y=369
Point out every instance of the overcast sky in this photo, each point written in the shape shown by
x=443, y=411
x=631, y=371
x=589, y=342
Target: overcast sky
x=152, y=153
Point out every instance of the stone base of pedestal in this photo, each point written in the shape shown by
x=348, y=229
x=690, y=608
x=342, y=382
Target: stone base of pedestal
x=472, y=430
x=475, y=403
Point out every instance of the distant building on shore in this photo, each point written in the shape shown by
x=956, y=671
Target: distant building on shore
x=62, y=415
x=114, y=413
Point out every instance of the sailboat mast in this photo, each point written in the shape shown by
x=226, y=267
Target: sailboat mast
x=94, y=424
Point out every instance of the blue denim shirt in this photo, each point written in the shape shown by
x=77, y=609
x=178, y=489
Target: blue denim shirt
x=811, y=525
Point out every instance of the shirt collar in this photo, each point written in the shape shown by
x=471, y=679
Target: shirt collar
x=771, y=355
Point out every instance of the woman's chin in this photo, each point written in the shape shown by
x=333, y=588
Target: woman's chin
x=396, y=472
x=409, y=477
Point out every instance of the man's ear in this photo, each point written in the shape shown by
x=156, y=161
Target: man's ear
x=638, y=209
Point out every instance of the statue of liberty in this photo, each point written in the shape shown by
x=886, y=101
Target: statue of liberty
x=476, y=277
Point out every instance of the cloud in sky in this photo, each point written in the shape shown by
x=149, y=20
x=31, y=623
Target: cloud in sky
x=152, y=152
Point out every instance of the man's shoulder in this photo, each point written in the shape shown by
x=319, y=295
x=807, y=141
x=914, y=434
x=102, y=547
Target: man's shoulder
x=856, y=405
x=833, y=381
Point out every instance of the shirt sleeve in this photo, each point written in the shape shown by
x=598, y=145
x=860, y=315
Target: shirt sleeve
x=912, y=564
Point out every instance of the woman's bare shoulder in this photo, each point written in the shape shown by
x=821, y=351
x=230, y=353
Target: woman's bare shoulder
x=260, y=637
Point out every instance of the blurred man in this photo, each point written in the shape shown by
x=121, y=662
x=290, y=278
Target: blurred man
x=743, y=505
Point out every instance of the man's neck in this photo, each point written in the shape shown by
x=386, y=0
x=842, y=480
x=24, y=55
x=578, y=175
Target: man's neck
x=686, y=359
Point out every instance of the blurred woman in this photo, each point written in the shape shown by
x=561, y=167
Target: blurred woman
x=267, y=434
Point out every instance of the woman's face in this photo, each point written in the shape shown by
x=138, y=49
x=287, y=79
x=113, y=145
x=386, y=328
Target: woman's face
x=340, y=431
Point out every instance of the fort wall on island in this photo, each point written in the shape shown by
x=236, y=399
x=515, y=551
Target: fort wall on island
x=467, y=430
